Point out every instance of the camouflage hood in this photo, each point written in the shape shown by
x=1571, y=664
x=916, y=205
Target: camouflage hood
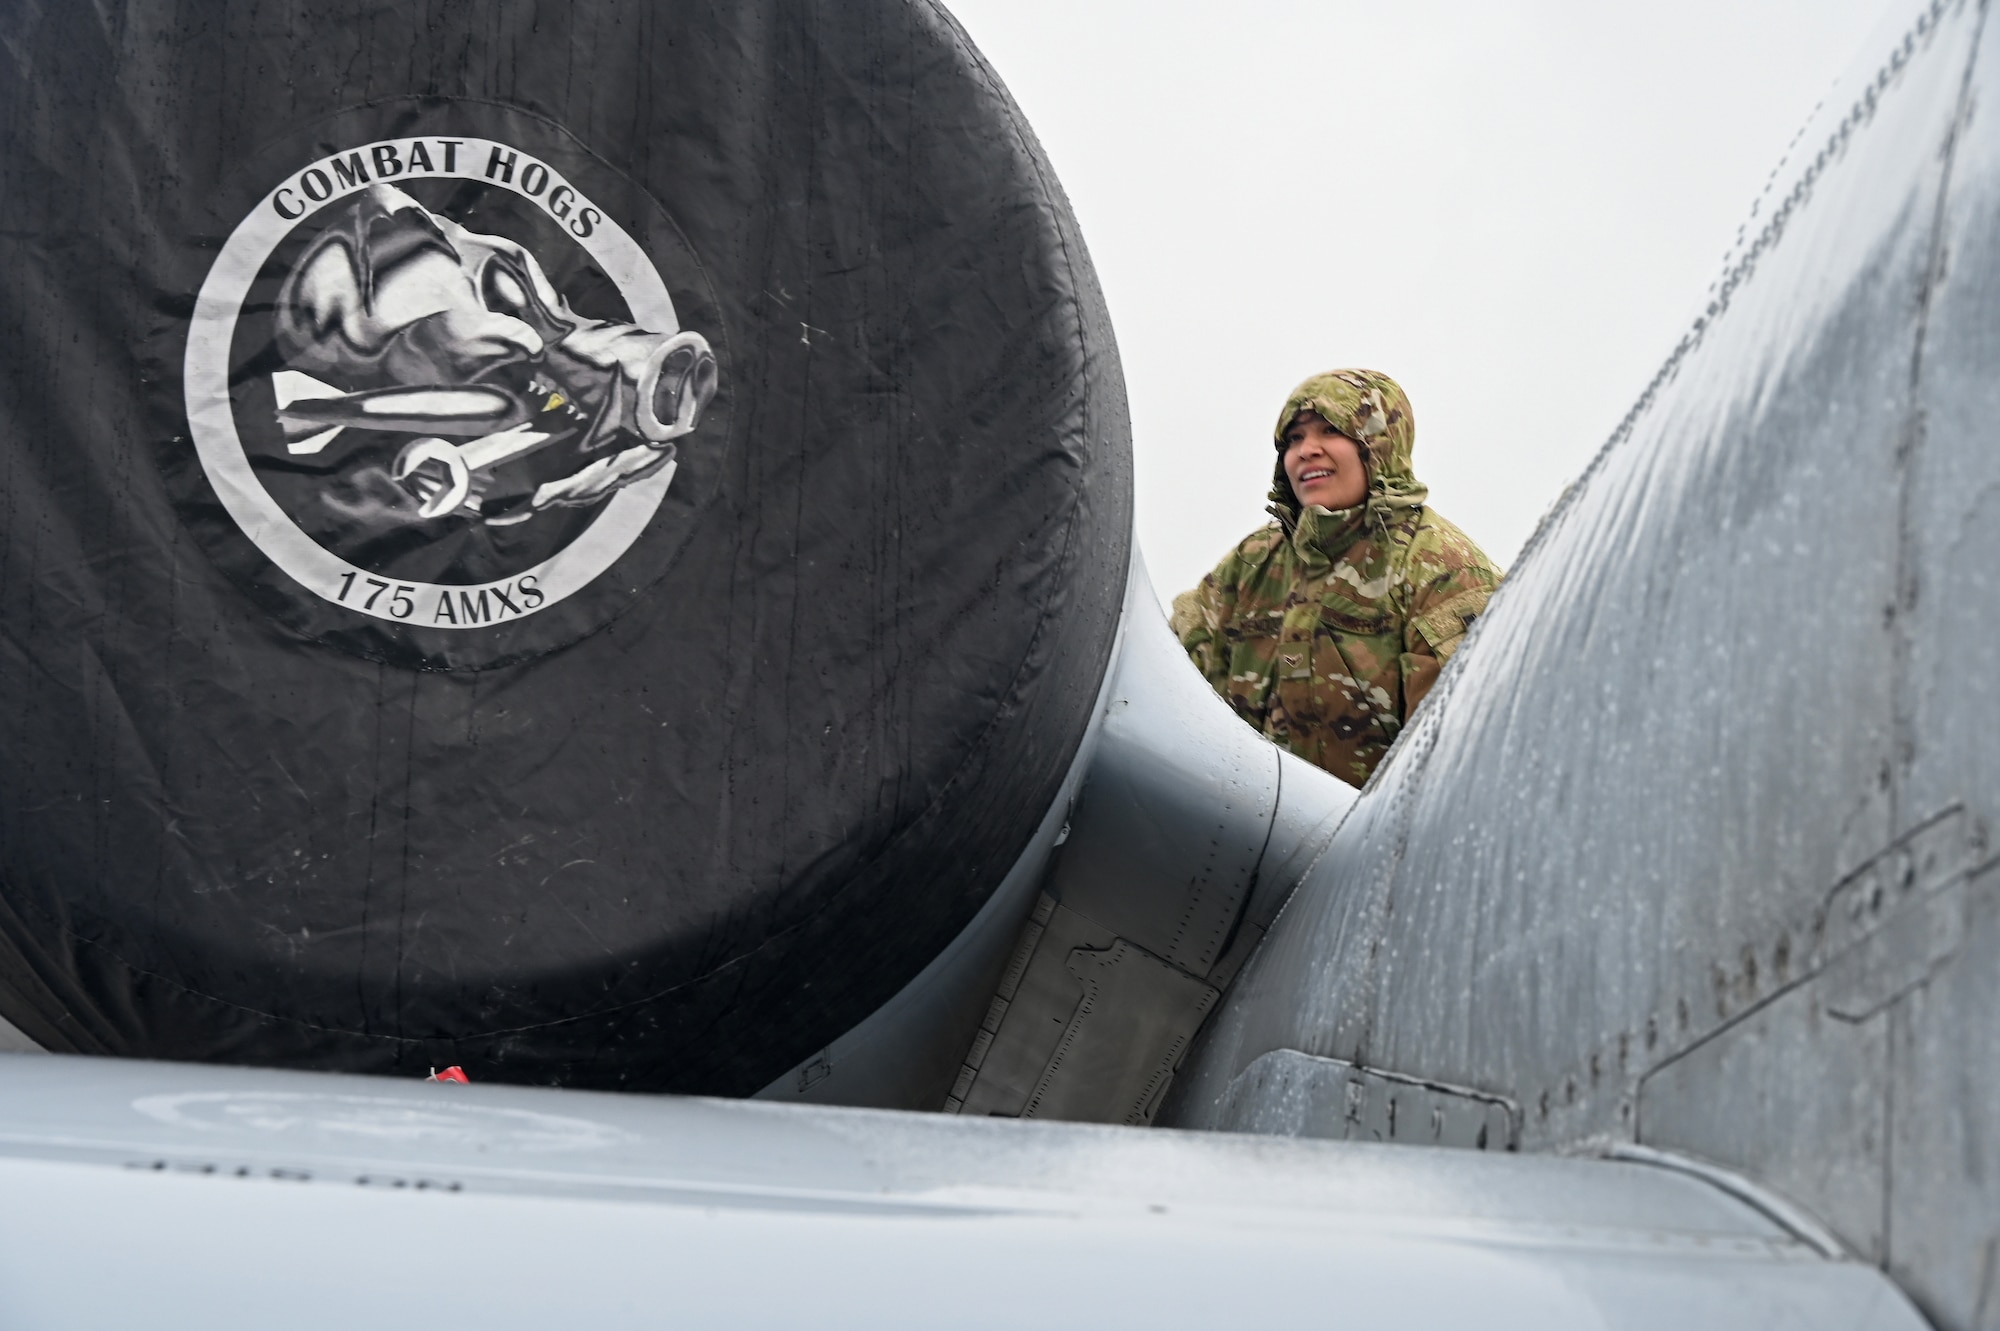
x=1369, y=408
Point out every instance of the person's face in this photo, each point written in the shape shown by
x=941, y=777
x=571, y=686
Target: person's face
x=1324, y=465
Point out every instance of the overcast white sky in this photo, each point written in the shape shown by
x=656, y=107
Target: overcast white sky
x=1512, y=206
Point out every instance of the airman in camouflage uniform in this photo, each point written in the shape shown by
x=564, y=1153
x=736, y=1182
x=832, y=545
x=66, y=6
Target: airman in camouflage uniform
x=1326, y=628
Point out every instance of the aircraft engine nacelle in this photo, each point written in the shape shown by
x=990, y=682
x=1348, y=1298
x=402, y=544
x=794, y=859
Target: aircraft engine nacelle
x=584, y=549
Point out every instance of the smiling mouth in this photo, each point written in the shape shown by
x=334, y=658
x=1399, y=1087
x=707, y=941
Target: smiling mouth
x=1316, y=474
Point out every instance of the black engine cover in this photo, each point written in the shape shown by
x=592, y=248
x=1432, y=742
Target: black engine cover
x=691, y=637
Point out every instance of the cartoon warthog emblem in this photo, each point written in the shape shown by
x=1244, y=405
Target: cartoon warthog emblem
x=404, y=321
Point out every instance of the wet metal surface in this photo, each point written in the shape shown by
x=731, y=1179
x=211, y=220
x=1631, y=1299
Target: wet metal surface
x=516, y=1207
x=1692, y=844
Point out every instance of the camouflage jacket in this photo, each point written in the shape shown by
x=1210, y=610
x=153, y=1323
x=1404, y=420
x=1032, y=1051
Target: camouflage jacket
x=1326, y=628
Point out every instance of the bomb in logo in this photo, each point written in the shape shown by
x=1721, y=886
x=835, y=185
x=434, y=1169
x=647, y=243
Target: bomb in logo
x=423, y=368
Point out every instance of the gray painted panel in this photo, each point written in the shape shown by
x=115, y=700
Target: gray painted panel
x=1297, y=1095
x=295, y=1200
x=1177, y=809
x=777, y=1156
x=1943, y=1213
x=1943, y=1209
x=1951, y=516
x=1791, y=1092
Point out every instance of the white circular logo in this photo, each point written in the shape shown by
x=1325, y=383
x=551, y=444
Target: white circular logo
x=322, y=1119
x=436, y=384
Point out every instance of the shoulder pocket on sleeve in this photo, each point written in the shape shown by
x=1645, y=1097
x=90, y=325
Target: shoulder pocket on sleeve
x=1187, y=616
x=1443, y=626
